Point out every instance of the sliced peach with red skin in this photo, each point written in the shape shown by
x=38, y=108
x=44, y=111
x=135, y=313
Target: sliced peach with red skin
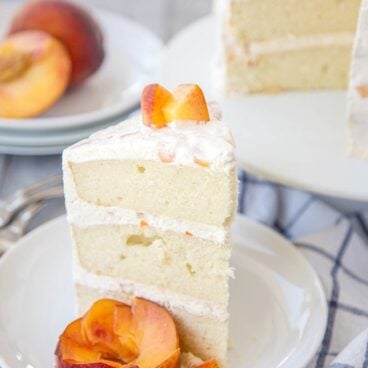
x=98, y=326
x=110, y=329
x=189, y=104
x=34, y=73
x=153, y=100
x=69, y=354
x=72, y=25
x=156, y=335
x=73, y=351
x=74, y=332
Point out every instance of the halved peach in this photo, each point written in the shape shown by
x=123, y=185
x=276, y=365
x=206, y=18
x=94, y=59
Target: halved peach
x=72, y=25
x=190, y=104
x=153, y=101
x=34, y=73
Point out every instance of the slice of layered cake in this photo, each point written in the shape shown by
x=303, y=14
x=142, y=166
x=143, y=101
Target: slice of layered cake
x=270, y=46
x=150, y=203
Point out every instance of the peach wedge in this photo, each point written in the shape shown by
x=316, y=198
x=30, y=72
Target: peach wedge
x=160, y=107
x=190, y=104
x=153, y=101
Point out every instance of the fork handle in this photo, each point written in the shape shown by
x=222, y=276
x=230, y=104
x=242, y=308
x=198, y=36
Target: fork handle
x=23, y=201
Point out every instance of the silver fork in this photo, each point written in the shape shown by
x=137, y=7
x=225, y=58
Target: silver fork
x=40, y=190
x=17, y=228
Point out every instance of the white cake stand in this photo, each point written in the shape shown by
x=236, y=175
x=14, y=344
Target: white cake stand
x=297, y=139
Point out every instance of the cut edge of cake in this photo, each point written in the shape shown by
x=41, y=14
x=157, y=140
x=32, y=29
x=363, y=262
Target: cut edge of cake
x=205, y=149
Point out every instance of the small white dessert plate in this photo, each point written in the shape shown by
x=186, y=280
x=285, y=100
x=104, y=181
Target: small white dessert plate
x=133, y=54
x=297, y=139
x=278, y=308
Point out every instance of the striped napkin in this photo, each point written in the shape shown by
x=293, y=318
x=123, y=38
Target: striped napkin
x=337, y=246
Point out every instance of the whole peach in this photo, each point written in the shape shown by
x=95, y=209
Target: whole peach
x=73, y=26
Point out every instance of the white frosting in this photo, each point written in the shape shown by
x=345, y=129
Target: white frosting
x=357, y=102
x=182, y=142
x=163, y=297
x=291, y=43
x=252, y=50
x=83, y=214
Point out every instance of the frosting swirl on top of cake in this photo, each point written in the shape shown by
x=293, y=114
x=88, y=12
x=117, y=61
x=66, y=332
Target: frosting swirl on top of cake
x=189, y=143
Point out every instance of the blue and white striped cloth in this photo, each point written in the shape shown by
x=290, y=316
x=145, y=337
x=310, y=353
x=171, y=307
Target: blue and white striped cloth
x=337, y=246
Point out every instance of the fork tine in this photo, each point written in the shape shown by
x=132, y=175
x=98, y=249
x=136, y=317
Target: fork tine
x=25, y=199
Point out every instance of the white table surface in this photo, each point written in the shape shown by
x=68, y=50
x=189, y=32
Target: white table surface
x=164, y=18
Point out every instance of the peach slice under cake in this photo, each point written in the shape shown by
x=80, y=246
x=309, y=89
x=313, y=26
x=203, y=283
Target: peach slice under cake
x=150, y=203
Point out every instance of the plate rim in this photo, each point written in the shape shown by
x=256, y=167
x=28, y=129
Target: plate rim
x=282, y=241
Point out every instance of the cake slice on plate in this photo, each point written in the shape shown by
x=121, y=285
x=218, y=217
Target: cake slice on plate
x=150, y=203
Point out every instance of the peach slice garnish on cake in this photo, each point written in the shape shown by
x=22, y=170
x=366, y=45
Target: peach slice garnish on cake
x=363, y=91
x=189, y=104
x=160, y=106
x=114, y=335
x=34, y=73
x=153, y=100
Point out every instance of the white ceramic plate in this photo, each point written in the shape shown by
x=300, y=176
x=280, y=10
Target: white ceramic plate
x=277, y=306
x=49, y=142
x=133, y=55
x=297, y=139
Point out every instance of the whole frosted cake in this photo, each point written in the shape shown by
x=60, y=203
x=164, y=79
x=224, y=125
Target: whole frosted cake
x=270, y=46
x=150, y=203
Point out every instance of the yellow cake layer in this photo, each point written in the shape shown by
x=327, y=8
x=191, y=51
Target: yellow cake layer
x=259, y=20
x=203, y=336
x=185, y=193
x=174, y=262
x=311, y=68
